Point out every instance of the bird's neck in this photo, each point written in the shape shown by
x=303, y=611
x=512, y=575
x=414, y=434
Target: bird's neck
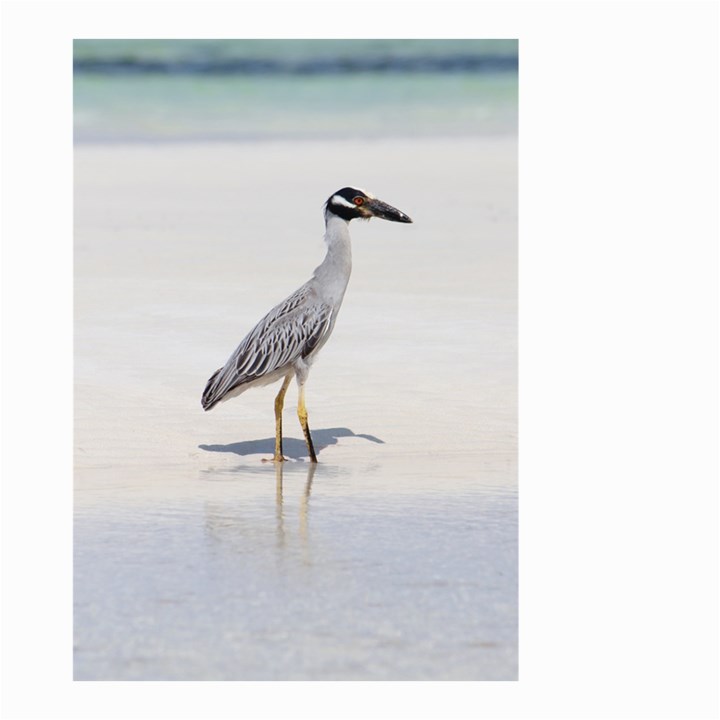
x=334, y=272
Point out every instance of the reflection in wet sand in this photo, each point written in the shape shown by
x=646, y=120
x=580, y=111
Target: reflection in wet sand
x=304, y=505
x=241, y=525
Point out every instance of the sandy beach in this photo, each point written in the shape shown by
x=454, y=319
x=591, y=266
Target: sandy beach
x=396, y=558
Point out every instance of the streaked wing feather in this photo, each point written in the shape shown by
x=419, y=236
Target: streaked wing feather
x=291, y=330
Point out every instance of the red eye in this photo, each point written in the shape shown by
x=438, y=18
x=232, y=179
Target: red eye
x=358, y=200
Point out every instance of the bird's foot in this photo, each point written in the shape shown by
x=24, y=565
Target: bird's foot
x=275, y=458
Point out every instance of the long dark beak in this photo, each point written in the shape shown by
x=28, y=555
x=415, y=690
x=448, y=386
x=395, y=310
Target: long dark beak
x=379, y=209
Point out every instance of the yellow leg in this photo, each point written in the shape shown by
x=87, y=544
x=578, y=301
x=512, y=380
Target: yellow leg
x=279, y=401
x=303, y=416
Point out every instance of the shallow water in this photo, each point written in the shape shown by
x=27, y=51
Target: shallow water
x=294, y=572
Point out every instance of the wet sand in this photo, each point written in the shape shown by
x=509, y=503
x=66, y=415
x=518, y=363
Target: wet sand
x=396, y=558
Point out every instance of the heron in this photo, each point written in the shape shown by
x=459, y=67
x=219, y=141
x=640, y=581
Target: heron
x=286, y=341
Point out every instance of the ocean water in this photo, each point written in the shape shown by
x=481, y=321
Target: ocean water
x=261, y=89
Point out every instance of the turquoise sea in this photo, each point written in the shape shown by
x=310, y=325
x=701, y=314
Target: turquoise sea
x=175, y=90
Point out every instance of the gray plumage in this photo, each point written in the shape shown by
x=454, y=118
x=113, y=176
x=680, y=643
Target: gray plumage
x=290, y=333
x=284, y=343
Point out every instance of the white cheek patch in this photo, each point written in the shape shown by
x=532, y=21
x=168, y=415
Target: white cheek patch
x=339, y=200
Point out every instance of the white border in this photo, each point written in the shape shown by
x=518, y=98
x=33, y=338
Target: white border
x=619, y=580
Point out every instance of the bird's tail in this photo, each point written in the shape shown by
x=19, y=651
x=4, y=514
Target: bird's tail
x=209, y=399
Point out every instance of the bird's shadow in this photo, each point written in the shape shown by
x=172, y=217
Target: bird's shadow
x=293, y=448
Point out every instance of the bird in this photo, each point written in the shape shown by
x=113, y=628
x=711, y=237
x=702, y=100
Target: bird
x=286, y=341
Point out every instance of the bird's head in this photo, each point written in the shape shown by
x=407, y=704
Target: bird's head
x=350, y=203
